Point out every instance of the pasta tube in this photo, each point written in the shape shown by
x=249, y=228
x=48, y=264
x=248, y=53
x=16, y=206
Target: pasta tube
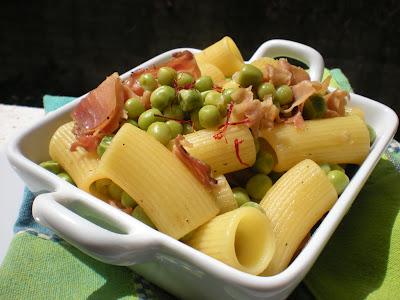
x=80, y=164
x=224, y=54
x=211, y=70
x=175, y=201
x=221, y=154
x=230, y=84
x=241, y=238
x=335, y=140
x=355, y=111
x=223, y=195
x=294, y=204
x=262, y=62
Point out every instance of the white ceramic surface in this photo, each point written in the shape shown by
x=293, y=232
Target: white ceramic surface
x=166, y=262
x=11, y=187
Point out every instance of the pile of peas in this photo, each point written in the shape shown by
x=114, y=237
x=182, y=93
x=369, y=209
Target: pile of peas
x=314, y=108
x=177, y=97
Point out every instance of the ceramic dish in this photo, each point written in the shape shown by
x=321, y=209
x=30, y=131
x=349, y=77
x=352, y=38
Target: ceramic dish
x=114, y=237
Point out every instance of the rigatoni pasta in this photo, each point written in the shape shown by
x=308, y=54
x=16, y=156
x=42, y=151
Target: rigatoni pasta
x=224, y=54
x=220, y=154
x=169, y=194
x=242, y=238
x=213, y=71
x=81, y=165
x=334, y=140
x=293, y=205
x=223, y=195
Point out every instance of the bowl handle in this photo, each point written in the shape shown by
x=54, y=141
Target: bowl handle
x=55, y=210
x=303, y=53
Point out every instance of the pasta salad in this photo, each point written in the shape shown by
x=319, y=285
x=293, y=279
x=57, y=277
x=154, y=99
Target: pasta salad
x=238, y=160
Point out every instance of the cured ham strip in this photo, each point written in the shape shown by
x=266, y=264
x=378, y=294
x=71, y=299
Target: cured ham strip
x=180, y=61
x=303, y=90
x=298, y=75
x=278, y=75
x=335, y=103
x=184, y=62
x=99, y=113
x=258, y=114
x=200, y=169
x=284, y=73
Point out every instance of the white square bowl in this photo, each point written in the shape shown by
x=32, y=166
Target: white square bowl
x=168, y=263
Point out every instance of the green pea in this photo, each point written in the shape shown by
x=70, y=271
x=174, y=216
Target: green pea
x=249, y=75
x=264, y=162
x=139, y=214
x=187, y=128
x=162, y=97
x=216, y=99
x=339, y=180
x=204, y=95
x=160, y=131
x=183, y=79
x=175, y=127
x=52, y=166
x=132, y=122
x=325, y=167
x=114, y=191
x=284, y=94
x=204, y=83
x=209, y=116
x=147, y=82
x=372, y=134
x=189, y=100
x=166, y=76
x=66, y=177
x=173, y=111
x=240, y=195
x=258, y=185
x=314, y=107
x=134, y=107
x=101, y=185
x=127, y=200
x=227, y=94
x=266, y=89
x=337, y=167
x=253, y=204
x=103, y=145
x=148, y=117
x=194, y=117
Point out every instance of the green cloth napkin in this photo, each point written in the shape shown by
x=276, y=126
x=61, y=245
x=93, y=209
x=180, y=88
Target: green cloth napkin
x=359, y=261
x=362, y=260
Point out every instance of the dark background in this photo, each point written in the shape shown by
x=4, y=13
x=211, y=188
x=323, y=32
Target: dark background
x=68, y=47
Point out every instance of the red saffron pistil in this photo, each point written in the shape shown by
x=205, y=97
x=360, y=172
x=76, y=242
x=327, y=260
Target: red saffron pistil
x=237, y=151
x=222, y=129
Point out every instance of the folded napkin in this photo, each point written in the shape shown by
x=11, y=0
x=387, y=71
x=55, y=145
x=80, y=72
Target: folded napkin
x=362, y=259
